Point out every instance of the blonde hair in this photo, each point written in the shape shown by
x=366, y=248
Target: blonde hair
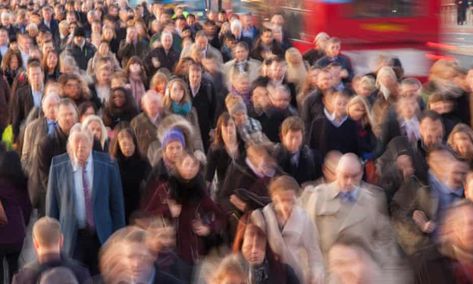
x=167, y=97
x=91, y=118
x=385, y=71
x=47, y=231
x=296, y=73
x=368, y=117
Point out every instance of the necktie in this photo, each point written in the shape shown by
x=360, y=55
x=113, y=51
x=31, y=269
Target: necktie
x=51, y=127
x=89, y=216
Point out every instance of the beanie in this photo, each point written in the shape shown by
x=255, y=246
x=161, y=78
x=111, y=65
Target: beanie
x=173, y=135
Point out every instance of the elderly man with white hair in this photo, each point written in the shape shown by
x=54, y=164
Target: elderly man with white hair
x=146, y=123
x=85, y=194
x=163, y=56
x=349, y=207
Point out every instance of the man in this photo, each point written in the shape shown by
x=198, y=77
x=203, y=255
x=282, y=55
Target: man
x=314, y=54
x=132, y=45
x=450, y=261
x=292, y=156
x=351, y=208
x=277, y=111
x=418, y=208
x=48, y=22
x=204, y=99
x=202, y=44
x=277, y=77
x=85, y=195
x=266, y=46
x=52, y=145
x=162, y=57
x=80, y=49
x=146, y=123
x=27, y=97
x=4, y=42
x=332, y=54
x=248, y=29
x=6, y=20
x=241, y=63
x=24, y=44
x=34, y=133
x=48, y=243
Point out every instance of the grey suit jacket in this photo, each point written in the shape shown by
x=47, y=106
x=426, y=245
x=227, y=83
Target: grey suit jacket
x=107, y=198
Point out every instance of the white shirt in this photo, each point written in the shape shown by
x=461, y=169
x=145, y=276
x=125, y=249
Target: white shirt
x=37, y=96
x=333, y=119
x=79, y=189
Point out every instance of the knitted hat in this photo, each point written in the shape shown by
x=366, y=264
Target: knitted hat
x=173, y=135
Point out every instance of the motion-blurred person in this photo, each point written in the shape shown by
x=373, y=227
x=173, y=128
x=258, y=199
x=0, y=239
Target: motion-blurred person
x=349, y=207
x=332, y=54
x=241, y=63
x=85, y=195
x=349, y=262
x=230, y=271
x=58, y=275
x=290, y=232
x=48, y=243
x=318, y=51
x=451, y=260
x=461, y=141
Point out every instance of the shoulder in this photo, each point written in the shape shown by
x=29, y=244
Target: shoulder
x=102, y=157
x=60, y=160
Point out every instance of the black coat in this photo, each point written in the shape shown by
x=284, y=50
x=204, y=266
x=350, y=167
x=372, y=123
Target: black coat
x=309, y=163
x=271, y=125
x=167, y=61
x=431, y=267
x=82, y=55
x=218, y=161
x=21, y=105
x=205, y=103
x=31, y=273
x=127, y=50
x=312, y=107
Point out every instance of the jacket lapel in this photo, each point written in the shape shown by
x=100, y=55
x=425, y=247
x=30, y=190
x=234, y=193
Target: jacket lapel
x=358, y=212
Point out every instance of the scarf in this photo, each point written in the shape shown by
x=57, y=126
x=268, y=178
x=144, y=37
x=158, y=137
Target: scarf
x=260, y=273
x=182, y=109
x=137, y=87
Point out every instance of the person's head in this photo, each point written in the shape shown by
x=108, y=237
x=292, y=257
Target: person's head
x=95, y=126
x=35, y=74
x=329, y=167
x=324, y=80
x=50, y=61
x=73, y=86
x=260, y=158
x=166, y=40
x=260, y=98
x=79, y=36
x=158, y=82
x=66, y=115
x=407, y=107
x=225, y=131
x=447, y=168
x=332, y=49
x=108, y=33
x=277, y=69
x=135, y=66
x=119, y=98
x=364, y=86
x=6, y=18
x=47, y=236
x=386, y=80
x=85, y=109
x=240, y=81
x=47, y=12
x=49, y=105
x=58, y=274
x=336, y=102
x=67, y=64
x=279, y=97
x=3, y=37
x=350, y=262
x=241, y=51
x=132, y=33
x=320, y=41
x=79, y=145
x=24, y=42
x=358, y=110
x=176, y=92
x=254, y=243
x=229, y=271
x=410, y=87
x=292, y=133
x=201, y=40
x=236, y=108
x=266, y=36
x=151, y=104
x=235, y=28
x=12, y=60
x=349, y=172
x=431, y=129
x=187, y=166
x=457, y=227
x=441, y=103
x=103, y=71
x=461, y=141
x=283, y=191
x=173, y=145
x=277, y=33
x=195, y=73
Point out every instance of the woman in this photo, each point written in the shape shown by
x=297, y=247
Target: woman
x=120, y=107
x=262, y=264
x=95, y=126
x=133, y=169
x=136, y=74
x=184, y=201
x=461, y=141
x=226, y=148
x=11, y=65
x=96, y=33
x=16, y=203
x=291, y=233
x=103, y=51
x=51, y=66
x=102, y=81
x=308, y=87
x=77, y=90
x=108, y=35
x=142, y=30
x=358, y=110
x=386, y=83
x=296, y=67
x=159, y=82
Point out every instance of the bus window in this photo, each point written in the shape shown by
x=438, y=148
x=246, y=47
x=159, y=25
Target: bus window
x=385, y=8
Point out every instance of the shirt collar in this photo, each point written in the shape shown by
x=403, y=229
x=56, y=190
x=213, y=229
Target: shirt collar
x=76, y=166
x=331, y=117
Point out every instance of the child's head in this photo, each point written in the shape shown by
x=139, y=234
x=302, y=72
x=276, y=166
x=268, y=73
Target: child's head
x=336, y=102
x=292, y=133
x=364, y=86
x=357, y=108
x=407, y=107
x=441, y=103
x=333, y=47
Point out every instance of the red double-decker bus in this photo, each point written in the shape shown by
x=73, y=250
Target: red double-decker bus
x=408, y=29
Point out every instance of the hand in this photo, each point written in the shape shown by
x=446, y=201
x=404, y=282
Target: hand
x=155, y=62
x=425, y=225
x=200, y=229
x=237, y=202
x=404, y=164
x=174, y=208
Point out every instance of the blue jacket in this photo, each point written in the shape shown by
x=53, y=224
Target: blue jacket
x=109, y=212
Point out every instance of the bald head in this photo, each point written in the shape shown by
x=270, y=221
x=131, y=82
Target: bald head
x=349, y=172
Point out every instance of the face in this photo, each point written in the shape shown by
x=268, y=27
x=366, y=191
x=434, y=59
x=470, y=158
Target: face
x=126, y=144
x=201, y=42
x=104, y=75
x=103, y=49
x=139, y=262
x=72, y=89
x=407, y=108
x=177, y=93
x=260, y=97
x=455, y=174
x=241, y=53
x=3, y=37
x=409, y=90
x=347, y=265
x=280, y=99
x=173, y=151
x=195, y=76
x=356, y=111
x=242, y=85
x=82, y=149
x=152, y=106
x=463, y=144
x=292, y=141
x=35, y=76
x=324, y=81
x=188, y=168
x=119, y=99
x=66, y=117
x=277, y=70
x=349, y=177
x=229, y=130
x=49, y=107
x=14, y=64
x=284, y=202
x=431, y=132
x=96, y=129
x=79, y=40
x=253, y=248
x=339, y=104
x=333, y=49
x=267, y=38
x=167, y=42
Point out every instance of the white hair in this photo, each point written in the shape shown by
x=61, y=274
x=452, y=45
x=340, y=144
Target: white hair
x=75, y=134
x=91, y=118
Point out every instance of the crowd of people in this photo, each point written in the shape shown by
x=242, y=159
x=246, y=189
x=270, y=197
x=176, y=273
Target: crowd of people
x=148, y=145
